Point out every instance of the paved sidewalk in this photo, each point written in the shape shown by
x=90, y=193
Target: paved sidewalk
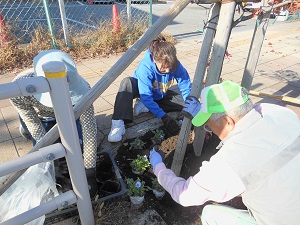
x=277, y=73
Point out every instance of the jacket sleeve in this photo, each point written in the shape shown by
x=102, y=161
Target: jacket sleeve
x=29, y=116
x=216, y=181
x=89, y=134
x=183, y=79
x=146, y=93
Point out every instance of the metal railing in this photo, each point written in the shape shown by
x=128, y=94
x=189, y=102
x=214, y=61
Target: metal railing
x=55, y=83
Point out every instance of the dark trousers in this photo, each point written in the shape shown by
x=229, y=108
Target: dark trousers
x=128, y=91
x=48, y=124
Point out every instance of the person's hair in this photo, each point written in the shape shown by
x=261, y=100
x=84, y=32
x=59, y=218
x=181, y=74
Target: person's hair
x=164, y=52
x=236, y=113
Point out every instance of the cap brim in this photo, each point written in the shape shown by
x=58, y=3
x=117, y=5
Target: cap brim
x=200, y=119
x=77, y=85
x=77, y=90
x=44, y=98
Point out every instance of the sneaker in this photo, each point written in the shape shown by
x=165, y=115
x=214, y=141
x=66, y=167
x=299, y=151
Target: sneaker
x=117, y=130
x=24, y=133
x=139, y=107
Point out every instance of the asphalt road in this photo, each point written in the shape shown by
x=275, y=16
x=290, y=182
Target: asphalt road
x=190, y=22
x=80, y=15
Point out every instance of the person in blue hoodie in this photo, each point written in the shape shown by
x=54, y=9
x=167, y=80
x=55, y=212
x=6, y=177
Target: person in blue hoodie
x=151, y=86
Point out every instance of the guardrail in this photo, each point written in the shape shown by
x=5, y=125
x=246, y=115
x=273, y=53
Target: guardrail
x=55, y=83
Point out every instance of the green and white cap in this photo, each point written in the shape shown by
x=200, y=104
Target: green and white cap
x=219, y=98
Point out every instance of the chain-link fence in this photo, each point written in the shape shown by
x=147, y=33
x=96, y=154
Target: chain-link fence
x=67, y=16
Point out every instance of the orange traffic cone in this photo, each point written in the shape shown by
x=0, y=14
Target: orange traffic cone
x=3, y=30
x=255, y=13
x=115, y=19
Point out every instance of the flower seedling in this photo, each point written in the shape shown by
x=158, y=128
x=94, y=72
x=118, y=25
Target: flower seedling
x=136, y=187
x=159, y=135
x=137, y=144
x=140, y=164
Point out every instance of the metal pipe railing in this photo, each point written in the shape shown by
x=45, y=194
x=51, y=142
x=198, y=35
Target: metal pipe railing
x=24, y=87
x=59, y=202
x=50, y=24
x=56, y=82
x=45, y=154
x=55, y=72
x=64, y=21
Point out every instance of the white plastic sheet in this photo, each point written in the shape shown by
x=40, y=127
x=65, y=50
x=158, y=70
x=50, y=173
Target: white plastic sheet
x=35, y=186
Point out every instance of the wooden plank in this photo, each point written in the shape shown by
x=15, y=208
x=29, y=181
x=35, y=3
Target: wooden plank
x=199, y=140
x=127, y=58
x=197, y=86
x=255, y=48
x=219, y=49
x=220, y=43
x=256, y=43
x=278, y=97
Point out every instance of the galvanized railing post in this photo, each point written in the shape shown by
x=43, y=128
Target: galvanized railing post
x=64, y=21
x=61, y=100
x=49, y=21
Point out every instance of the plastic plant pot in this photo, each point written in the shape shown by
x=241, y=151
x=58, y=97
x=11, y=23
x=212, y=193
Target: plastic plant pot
x=159, y=194
x=137, y=201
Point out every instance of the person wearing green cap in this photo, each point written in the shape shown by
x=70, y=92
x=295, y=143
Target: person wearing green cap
x=258, y=159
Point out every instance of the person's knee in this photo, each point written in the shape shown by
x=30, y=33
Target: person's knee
x=125, y=83
x=207, y=216
x=222, y=214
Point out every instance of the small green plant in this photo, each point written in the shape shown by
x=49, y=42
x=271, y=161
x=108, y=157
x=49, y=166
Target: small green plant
x=140, y=164
x=156, y=185
x=137, y=144
x=159, y=135
x=136, y=187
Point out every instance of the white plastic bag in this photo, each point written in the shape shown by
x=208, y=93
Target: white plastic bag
x=34, y=187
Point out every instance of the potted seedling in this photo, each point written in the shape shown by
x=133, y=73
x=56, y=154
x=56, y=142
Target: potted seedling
x=159, y=135
x=137, y=144
x=136, y=191
x=140, y=164
x=157, y=189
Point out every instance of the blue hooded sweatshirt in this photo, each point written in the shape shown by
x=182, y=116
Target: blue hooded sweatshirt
x=153, y=84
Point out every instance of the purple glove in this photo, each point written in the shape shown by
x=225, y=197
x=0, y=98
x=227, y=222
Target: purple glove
x=155, y=157
x=191, y=107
